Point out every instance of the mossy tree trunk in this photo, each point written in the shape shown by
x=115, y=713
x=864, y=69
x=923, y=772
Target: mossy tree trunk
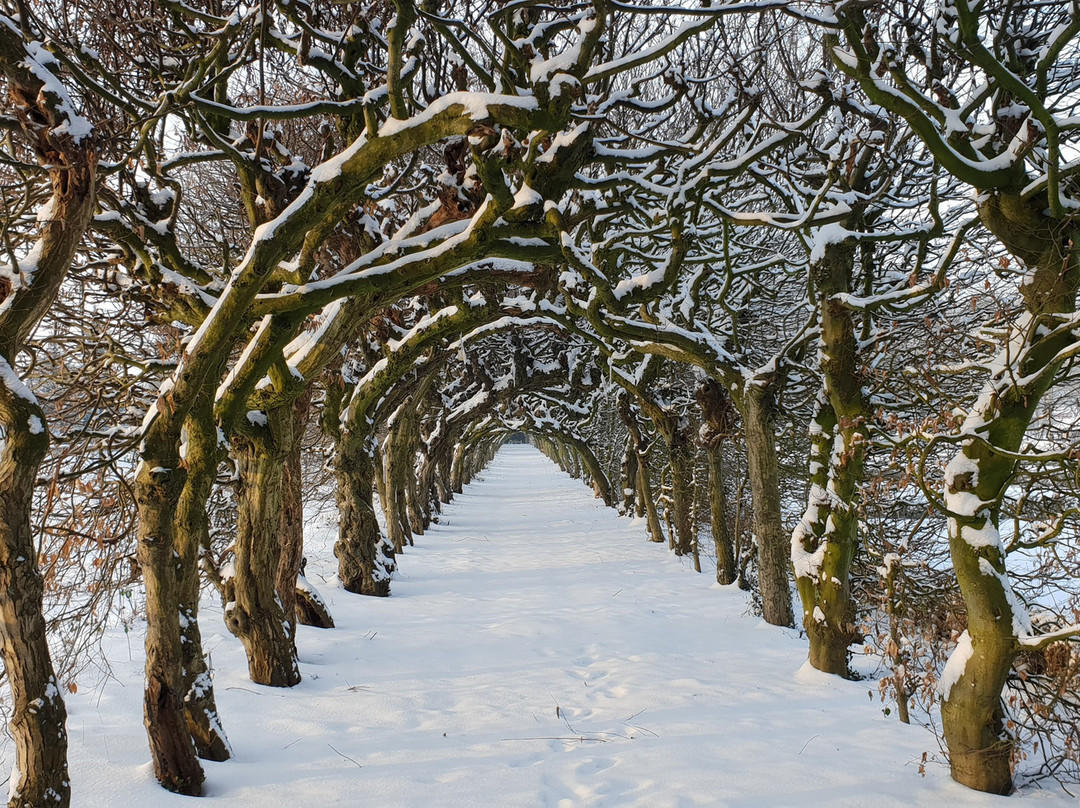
x=159, y=483
x=980, y=748
x=253, y=612
x=40, y=115
x=192, y=537
x=291, y=527
x=365, y=557
x=823, y=544
x=774, y=557
x=398, y=452
x=644, y=476
x=38, y=714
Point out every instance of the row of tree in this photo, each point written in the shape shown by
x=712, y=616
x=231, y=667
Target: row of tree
x=817, y=265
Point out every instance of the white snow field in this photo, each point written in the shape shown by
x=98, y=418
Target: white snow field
x=536, y=651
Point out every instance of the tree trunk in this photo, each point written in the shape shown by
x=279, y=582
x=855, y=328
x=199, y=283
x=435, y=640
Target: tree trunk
x=682, y=492
x=457, y=470
x=726, y=572
x=393, y=488
x=291, y=529
x=980, y=748
x=824, y=542
x=443, y=465
x=402, y=472
x=774, y=557
x=628, y=480
x=365, y=557
x=192, y=536
x=311, y=609
x=592, y=466
x=415, y=493
x=253, y=612
x=822, y=547
x=646, y=501
x=159, y=482
x=43, y=117
x=652, y=515
x=427, y=492
x=38, y=715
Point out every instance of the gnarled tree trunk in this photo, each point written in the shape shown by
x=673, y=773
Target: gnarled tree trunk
x=824, y=542
x=192, y=536
x=365, y=558
x=291, y=529
x=159, y=483
x=252, y=611
x=774, y=557
x=980, y=748
x=41, y=113
x=38, y=715
x=719, y=417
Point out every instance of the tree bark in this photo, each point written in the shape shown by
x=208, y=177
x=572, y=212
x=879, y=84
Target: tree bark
x=726, y=573
x=644, y=478
x=311, y=609
x=37, y=708
x=159, y=482
x=980, y=748
x=291, y=528
x=680, y=458
x=253, y=612
x=590, y=463
x=365, y=557
x=628, y=479
x=192, y=536
x=398, y=452
x=774, y=557
x=823, y=544
x=457, y=470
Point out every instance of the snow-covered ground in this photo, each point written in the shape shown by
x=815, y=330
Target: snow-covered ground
x=537, y=651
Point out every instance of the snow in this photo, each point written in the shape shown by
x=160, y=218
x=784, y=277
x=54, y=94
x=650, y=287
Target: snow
x=956, y=665
x=39, y=62
x=475, y=107
x=536, y=650
x=10, y=379
x=822, y=237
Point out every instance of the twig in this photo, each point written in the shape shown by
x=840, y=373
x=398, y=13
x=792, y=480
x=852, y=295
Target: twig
x=345, y=756
x=580, y=738
x=807, y=742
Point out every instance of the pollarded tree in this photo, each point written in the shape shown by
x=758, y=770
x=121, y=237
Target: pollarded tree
x=542, y=104
x=852, y=182
x=53, y=148
x=719, y=419
x=991, y=90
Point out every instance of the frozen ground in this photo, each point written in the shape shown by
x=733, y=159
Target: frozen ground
x=537, y=651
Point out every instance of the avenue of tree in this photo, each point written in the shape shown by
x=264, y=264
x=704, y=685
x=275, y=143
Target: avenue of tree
x=794, y=282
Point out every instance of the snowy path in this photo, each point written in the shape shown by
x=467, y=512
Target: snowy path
x=537, y=651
